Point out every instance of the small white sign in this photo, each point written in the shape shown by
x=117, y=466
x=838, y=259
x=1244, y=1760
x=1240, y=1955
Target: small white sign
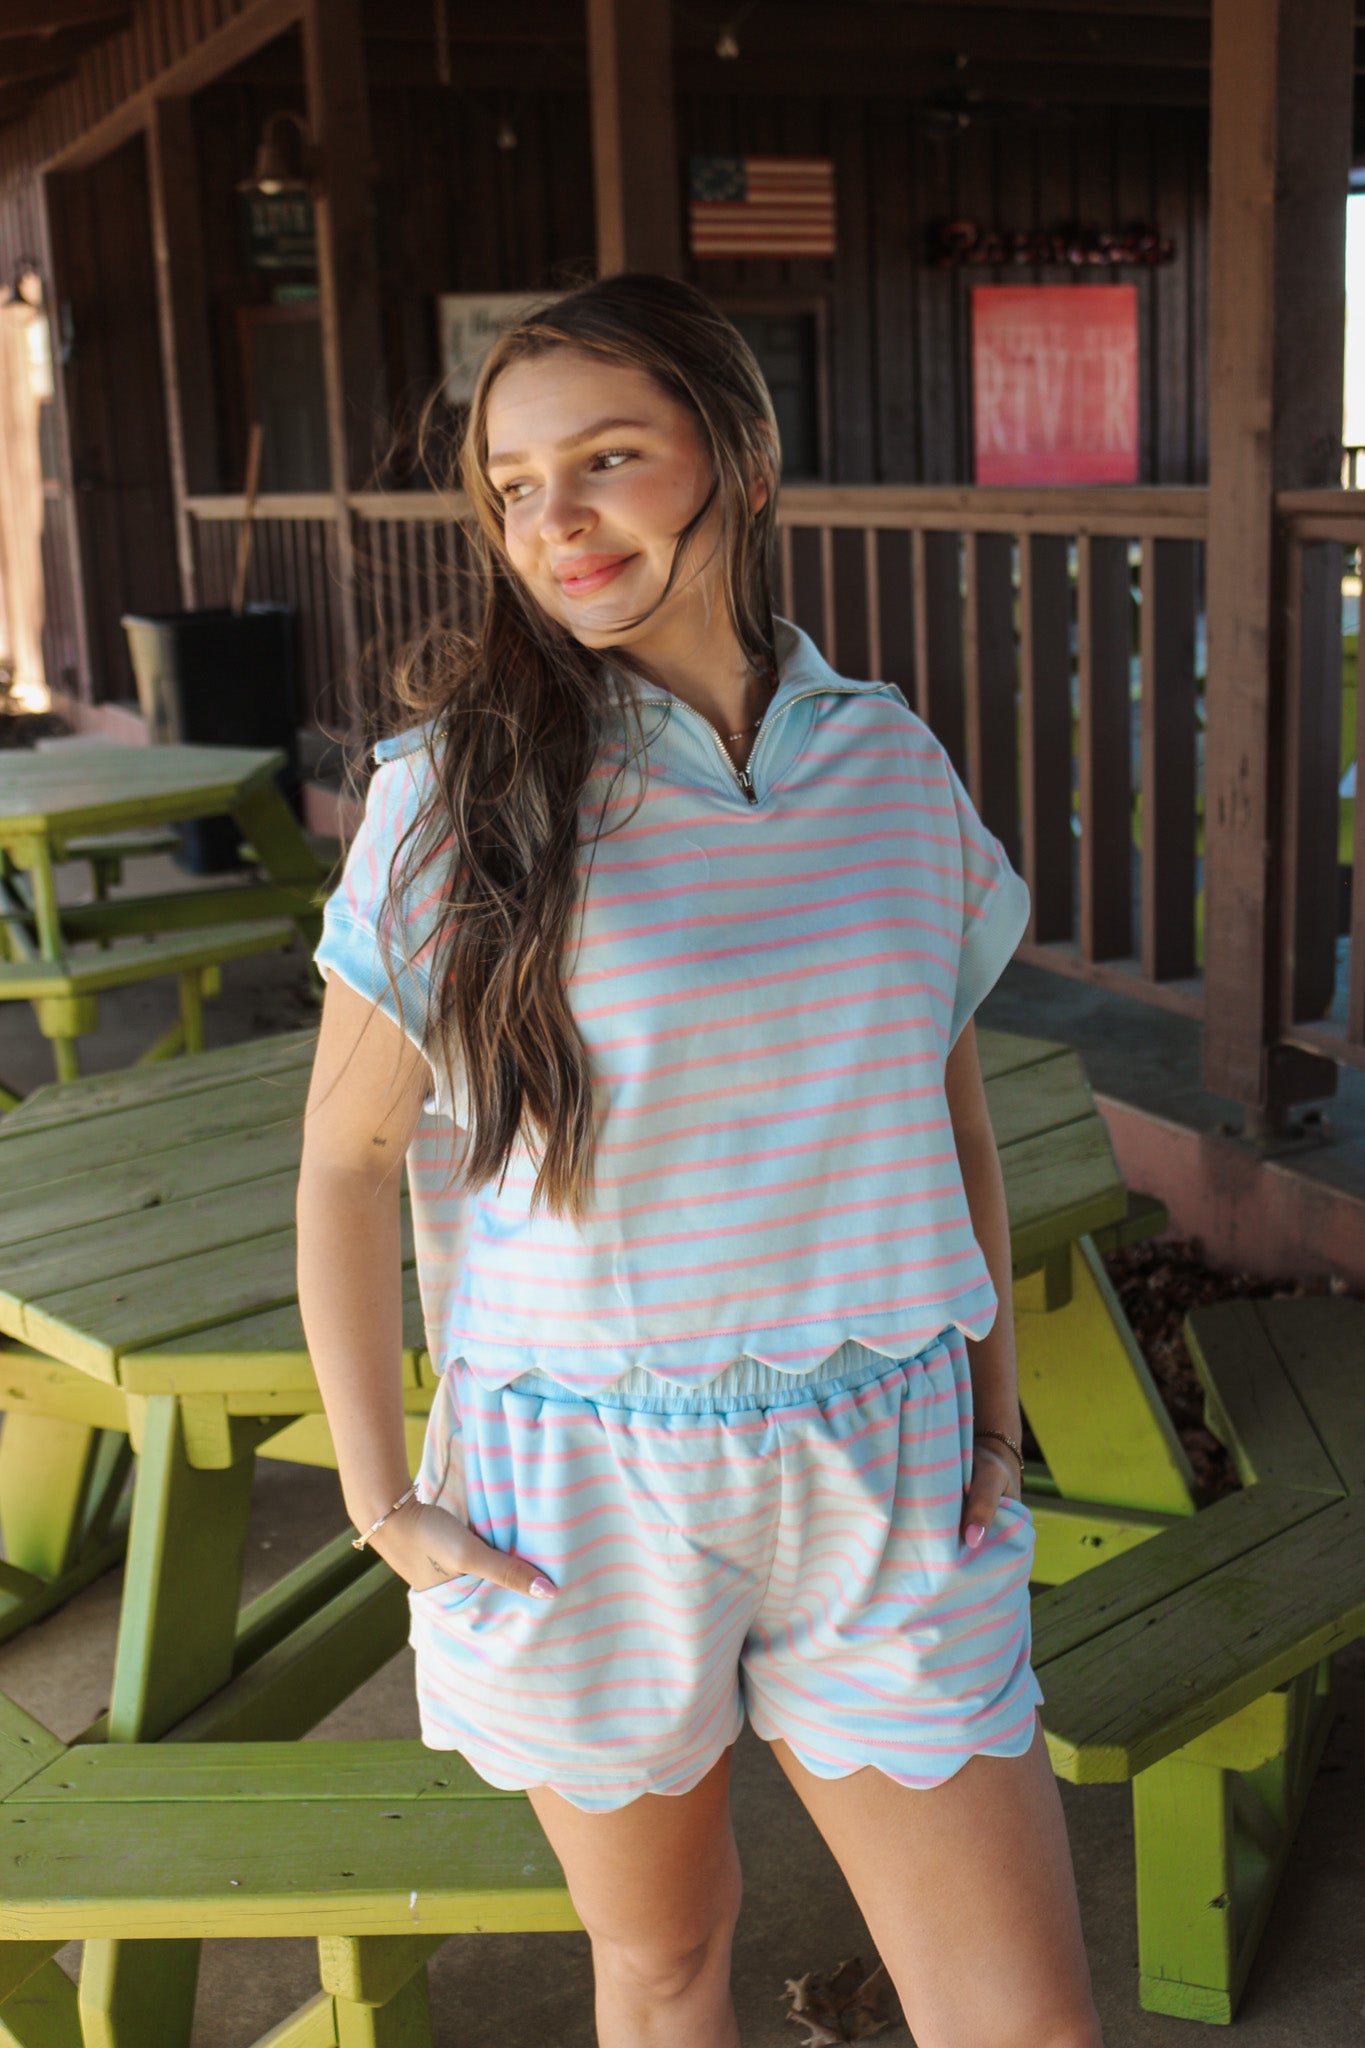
x=470, y=322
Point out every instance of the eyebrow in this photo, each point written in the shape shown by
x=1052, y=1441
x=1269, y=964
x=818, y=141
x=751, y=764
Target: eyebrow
x=506, y=455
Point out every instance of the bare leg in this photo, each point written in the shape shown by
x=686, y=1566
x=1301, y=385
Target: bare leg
x=968, y=1893
x=657, y=1885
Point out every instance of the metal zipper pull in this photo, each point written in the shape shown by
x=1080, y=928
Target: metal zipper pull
x=745, y=782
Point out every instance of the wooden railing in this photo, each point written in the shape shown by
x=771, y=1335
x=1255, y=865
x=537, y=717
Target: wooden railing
x=1052, y=638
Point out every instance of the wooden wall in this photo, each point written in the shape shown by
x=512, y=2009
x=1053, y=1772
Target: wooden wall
x=227, y=126
x=467, y=216
x=900, y=329
x=460, y=214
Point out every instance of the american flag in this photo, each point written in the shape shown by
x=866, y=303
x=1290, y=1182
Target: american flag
x=762, y=206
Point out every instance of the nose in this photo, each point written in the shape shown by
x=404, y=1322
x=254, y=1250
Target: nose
x=563, y=515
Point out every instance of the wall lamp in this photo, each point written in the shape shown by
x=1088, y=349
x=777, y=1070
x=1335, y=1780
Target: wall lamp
x=274, y=171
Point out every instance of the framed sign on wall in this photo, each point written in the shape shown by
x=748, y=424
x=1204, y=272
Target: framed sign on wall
x=1055, y=383
x=468, y=323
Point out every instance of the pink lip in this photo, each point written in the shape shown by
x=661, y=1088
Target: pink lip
x=590, y=573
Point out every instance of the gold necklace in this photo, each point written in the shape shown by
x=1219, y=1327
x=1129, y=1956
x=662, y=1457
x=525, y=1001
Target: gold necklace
x=772, y=686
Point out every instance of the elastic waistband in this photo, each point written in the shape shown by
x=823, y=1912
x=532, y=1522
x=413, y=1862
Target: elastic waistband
x=747, y=1383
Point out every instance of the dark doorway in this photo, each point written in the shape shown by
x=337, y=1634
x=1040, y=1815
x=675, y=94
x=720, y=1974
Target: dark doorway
x=787, y=344
x=285, y=389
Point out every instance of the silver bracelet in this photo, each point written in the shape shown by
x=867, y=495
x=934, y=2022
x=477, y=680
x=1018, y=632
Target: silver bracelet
x=359, y=1542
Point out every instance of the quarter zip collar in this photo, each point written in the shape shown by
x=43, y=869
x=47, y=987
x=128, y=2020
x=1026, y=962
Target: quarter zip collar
x=694, y=747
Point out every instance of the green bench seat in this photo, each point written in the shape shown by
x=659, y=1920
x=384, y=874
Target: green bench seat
x=1198, y=1664
x=379, y=1850
x=128, y=960
x=107, y=851
x=64, y=992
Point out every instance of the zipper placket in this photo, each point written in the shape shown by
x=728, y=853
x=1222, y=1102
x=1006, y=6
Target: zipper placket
x=742, y=775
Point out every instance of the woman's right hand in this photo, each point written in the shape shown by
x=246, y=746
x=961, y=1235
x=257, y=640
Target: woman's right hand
x=426, y=1545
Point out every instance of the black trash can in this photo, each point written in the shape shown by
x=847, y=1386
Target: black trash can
x=212, y=677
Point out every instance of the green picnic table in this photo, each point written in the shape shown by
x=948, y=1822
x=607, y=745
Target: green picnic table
x=147, y=1284
x=147, y=1280
x=84, y=804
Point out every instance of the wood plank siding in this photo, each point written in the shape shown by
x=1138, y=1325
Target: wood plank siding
x=458, y=213
x=901, y=328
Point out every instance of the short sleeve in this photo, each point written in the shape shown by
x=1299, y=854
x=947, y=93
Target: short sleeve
x=995, y=909
x=382, y=948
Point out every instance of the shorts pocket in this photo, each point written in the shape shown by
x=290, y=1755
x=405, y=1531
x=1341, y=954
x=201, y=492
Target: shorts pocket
x=440, y=1480
x=1019, y=1507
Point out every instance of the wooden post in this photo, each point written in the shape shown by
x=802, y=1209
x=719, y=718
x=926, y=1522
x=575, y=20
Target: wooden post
x=635, y=167
x=1279, y=159
x=348, y=284
x=182, y=318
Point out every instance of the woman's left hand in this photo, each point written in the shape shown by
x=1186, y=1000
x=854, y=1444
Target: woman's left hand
x=994, y=1474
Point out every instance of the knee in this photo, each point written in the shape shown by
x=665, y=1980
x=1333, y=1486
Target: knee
x=668, y=1962
x=657, y=1971
x=1080, y=2029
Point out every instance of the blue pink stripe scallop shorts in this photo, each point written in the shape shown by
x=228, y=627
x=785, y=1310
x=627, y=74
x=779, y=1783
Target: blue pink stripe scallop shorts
x=783, y=1547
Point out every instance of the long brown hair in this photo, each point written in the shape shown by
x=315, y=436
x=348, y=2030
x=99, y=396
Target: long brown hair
x=515, y=716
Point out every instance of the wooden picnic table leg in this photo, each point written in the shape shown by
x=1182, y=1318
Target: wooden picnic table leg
x=176, y=1641
x=1213, y=1824
x=1089, y=1395
x=60, y=1018
x=263, y=816
x=60, y=1485
x=42, y=2011
x=379, y=1982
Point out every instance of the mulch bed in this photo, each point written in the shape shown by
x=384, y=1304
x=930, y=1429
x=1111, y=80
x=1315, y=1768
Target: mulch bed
x=1158, y=1282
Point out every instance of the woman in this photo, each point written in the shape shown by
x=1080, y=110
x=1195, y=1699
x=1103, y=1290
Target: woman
x=656, y=954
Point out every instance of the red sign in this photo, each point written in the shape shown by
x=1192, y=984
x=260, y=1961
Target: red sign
x=1055, y=383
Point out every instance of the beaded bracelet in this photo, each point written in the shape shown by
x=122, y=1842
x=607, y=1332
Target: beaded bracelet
x=359, y=1542
x=1018, y=1449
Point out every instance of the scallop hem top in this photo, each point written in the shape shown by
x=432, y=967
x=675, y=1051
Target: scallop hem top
x=768, y=982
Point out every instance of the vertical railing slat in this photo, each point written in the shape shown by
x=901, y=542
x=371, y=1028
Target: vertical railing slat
x=895, y=609
x=992, y=747
x=828, y=598
x=1312, y=743
x=785, y=572
x=1045, y=689
x=1103, y=649
x=872, y=602
x=1168, y=758
x=938, y=639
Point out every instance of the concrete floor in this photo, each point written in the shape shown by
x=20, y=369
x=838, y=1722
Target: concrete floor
x=505, y=1991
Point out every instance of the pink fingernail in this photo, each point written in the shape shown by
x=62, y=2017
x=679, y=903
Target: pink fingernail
x=975, y=1533
x=542, y=1588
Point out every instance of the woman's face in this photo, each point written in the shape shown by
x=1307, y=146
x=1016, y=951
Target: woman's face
x=599, y=469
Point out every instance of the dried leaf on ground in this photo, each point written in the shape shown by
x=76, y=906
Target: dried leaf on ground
x=843, y=2004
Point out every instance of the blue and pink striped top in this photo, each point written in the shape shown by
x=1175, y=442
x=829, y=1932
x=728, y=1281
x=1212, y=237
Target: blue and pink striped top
x=768, y=980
